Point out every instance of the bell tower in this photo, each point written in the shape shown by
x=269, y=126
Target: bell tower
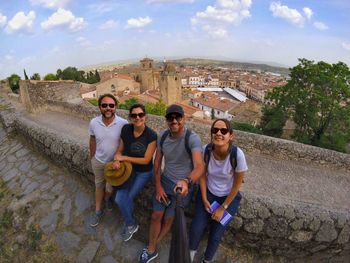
x=170, y=84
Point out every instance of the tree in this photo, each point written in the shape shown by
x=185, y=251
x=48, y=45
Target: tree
x=158, y=108
x=14, y=82
x=25, y=75
x=50, y=76
x=317, y=99
x=97, y=76
x=35, y=76
x=212, y=113
x=127, y=104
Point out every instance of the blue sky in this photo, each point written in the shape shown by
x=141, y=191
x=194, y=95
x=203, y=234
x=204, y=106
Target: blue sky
x=44, y=35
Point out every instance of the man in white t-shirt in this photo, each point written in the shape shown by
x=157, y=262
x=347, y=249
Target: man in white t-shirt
x=104, y=133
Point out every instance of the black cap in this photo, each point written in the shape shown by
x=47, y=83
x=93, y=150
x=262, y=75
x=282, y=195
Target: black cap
x=175, y=109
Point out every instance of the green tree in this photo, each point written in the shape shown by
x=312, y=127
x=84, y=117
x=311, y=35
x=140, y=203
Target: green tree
x=25, y=75
x=97, y=76
x=35, y=76
x=245, y=127
x=158, y=108
x=50, y=76
x=127, y=104
x=212, y=113
x=272, y=121
x=14, y=82
x=317, y=99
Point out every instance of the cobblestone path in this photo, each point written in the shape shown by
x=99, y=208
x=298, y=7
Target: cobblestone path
x=50, y=208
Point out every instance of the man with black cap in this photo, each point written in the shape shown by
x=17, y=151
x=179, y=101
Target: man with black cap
x=182, y=152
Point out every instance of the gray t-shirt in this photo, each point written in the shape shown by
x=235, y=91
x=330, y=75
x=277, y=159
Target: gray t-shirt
x=177, y=162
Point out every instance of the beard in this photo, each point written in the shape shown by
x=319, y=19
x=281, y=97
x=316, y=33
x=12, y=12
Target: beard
x=107, y=114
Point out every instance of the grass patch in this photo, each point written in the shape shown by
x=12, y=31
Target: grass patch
x=34, y=236
x=93, y=102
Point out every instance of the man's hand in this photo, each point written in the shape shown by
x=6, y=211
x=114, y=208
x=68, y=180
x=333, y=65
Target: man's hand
x=182, y=185
x=160, y=193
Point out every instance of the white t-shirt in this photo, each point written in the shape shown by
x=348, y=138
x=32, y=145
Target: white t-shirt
x=107, y=137
x=220, y=175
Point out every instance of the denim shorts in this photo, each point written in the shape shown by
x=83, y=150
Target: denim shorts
x=169, y=186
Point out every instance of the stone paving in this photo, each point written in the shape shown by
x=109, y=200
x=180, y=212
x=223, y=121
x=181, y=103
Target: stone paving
x=61, y=203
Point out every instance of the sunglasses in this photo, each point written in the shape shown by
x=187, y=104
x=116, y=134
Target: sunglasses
x=223, y=131
x=135, y=115
x=110, y=105
x=171, y=118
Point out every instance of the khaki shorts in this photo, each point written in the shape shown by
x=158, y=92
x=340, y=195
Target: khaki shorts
x=100, y=182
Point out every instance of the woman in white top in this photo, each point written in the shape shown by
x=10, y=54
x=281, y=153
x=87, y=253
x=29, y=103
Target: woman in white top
x=221, y=183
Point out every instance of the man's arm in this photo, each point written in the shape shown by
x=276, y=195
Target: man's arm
x=197, y=172
x=92, y=146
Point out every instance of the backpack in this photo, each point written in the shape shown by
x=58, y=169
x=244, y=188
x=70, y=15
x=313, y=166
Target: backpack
x=187, y=139
x=233, y=155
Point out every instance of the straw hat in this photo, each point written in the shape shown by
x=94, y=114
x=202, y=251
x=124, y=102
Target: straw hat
x=117, y=177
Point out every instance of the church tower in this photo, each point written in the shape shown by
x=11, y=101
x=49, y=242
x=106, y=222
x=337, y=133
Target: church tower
x=147, y=76
x=170, y=84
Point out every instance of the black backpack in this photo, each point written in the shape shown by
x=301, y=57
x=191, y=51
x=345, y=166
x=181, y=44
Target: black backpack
x=233, y=155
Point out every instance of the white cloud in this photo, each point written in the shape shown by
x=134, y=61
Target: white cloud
x=52, y=4
x=64, y=18
x=168, y=1
x=346, y=46
x=21, y=23
x=3, y=20
x=320, y=26
x=216, y=19
x=289, y=14
x=83, y=42
x=109, y=24
x=138, y=22
x=102, y=8
x=215, y=32
x=308, y=12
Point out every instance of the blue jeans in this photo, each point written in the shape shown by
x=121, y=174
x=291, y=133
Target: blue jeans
x=127, y=192
x=216, y=230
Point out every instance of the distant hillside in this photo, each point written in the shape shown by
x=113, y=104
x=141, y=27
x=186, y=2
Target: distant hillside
x=194, y=62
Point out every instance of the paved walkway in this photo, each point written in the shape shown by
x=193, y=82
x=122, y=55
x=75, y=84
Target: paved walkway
x=49, y=200
x=277, y=179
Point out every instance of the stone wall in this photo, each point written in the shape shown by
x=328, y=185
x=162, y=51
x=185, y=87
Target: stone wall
x=35, y=94
x=281, y=227
x=279, y=148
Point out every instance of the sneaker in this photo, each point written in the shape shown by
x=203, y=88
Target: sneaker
x=129, y=231
x=192, y=254
x=109, y=205
x=145, y=257
x=96, y=218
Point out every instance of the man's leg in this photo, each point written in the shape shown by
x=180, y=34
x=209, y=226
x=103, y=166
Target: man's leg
x=154, y=230
x=166, y=226
x=97, y=168
x=99, y=194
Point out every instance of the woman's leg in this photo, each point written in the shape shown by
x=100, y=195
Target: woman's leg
x=199, y=223
x=123, y=201
x=216, y=229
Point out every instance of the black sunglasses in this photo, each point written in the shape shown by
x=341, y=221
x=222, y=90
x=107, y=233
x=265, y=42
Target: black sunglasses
x=171, y=118
x=135, y=115
x=110, y=105
x=223, y=131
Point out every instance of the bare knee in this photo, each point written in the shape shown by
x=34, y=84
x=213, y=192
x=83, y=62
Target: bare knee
x=157, y=216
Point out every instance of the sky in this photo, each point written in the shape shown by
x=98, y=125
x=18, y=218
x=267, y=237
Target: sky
x=42, y=36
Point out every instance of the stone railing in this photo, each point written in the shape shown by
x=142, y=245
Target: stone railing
x=292, y=229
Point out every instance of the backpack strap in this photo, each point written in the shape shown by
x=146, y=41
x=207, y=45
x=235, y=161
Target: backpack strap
x=233, y=156
x=162, y=139
x=207, y=151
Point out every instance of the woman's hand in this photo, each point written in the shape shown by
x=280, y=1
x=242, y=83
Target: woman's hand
x=218, y=214
x=116, y=165
x=207, y=206
x=120, y=157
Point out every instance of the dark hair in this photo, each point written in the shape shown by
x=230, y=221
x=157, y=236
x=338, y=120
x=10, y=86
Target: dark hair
x=137, y=105
x=109, y=96
x=227, y=123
